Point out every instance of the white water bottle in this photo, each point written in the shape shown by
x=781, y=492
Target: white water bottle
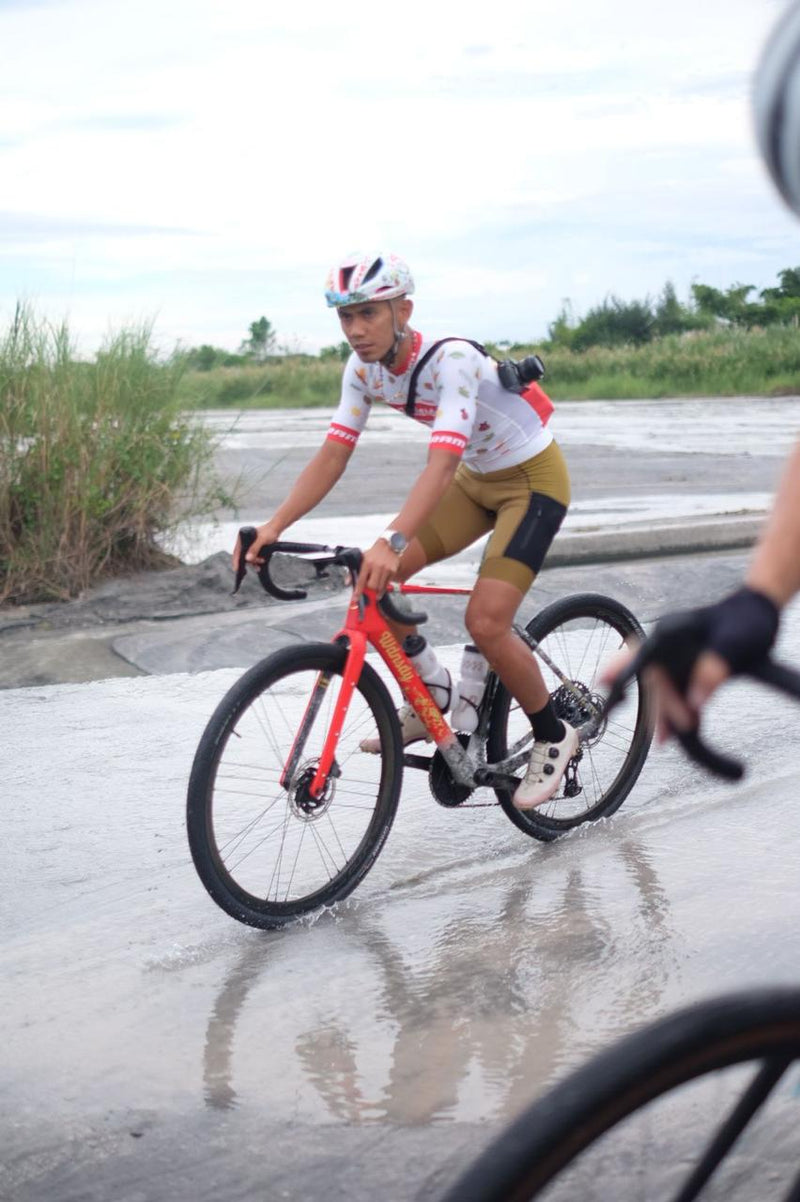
x=472, y=678
x=435, y=676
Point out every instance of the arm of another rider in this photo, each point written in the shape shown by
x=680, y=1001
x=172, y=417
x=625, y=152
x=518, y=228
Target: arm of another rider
x=312, y=485
x=381, y=562
x=774, y=571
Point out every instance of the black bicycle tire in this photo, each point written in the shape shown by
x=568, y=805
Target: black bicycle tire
x=226, y=893
x=533, y=822
x=691, y=1043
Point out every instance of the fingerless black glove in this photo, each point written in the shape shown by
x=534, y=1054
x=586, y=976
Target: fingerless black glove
x=741, y=628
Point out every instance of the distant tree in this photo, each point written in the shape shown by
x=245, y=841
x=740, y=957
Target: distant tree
x=562, y=331
x=782, y=304
x=729, y=306
x=670, y=316
x=789, y=287
x=615, y=323
x=340, y=351
x=261, y=342
x=205, y=357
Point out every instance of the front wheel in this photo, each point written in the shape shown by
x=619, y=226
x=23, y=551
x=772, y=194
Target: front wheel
x=572, y=639
x=265, y=848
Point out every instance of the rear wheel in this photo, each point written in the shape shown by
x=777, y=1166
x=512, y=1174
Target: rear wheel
x=572, y=639
x=269, y=852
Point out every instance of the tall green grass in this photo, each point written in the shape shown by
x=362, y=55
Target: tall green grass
x=97, y=460
x=718, y=363
x=293, y=382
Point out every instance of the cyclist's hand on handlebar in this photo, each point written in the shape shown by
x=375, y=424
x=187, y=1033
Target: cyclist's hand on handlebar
x=675, y=712
x=266, y=534
x=379, y=568
x=689, y=655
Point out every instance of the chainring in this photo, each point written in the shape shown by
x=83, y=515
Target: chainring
x=440, y=779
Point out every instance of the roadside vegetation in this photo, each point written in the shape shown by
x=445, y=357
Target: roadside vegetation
x=97, y=460
x=717, y=362
x=721, y=342
x=100, y=460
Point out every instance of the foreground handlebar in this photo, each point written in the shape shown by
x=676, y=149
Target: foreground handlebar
x=674, y=646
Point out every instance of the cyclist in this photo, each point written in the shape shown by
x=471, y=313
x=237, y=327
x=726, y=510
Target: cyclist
x=492, y=465
x=740, y=629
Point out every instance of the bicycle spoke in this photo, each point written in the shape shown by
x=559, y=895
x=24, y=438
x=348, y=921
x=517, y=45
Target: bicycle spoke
x=748, y=1105
x=572, y=641
x=280, y=842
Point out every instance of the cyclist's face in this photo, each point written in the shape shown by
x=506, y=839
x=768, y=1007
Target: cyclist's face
x=369, y=328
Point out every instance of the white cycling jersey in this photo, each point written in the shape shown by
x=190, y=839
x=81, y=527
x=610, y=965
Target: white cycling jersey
x=458, y=395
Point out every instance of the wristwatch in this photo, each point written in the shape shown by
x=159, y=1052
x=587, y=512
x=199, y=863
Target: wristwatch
x=396, y=540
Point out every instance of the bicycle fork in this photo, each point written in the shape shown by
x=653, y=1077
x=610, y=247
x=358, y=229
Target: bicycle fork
x=352, y=671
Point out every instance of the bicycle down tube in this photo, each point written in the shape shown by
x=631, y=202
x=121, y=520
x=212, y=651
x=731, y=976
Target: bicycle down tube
x=365, y=623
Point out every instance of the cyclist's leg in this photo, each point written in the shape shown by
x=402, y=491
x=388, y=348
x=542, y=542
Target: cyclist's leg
x=456, y=522
x=531, y=501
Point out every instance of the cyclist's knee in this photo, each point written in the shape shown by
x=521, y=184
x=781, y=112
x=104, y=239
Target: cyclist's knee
x=485, y=627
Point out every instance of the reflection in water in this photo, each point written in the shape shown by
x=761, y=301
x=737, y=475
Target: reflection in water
x=218, y=1052
x=471, y=1018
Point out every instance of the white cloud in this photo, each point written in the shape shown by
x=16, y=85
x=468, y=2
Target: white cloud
x=261, y=141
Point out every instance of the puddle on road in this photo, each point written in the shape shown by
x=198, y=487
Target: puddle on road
x=466, y=973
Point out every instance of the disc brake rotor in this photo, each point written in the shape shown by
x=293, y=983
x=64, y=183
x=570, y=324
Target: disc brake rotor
x=303, y=804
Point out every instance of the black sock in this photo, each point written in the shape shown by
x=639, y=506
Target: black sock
x=547, y=727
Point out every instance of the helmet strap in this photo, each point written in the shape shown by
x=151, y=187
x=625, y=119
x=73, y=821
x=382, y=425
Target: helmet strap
x=399, y=337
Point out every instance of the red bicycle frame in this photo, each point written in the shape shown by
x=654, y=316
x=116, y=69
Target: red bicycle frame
x=364, y=623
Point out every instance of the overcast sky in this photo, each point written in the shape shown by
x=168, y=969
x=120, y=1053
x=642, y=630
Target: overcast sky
x=202, y=163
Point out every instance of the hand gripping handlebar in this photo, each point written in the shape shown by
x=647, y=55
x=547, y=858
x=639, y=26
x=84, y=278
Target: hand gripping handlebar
x=674, y=646
x=348, y=557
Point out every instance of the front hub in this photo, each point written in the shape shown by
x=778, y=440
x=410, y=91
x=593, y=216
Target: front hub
x=304, y=805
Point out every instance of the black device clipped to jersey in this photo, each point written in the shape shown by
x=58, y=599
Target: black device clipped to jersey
x=516, y=376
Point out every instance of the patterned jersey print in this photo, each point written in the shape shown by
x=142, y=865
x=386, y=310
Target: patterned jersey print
x=458, y=396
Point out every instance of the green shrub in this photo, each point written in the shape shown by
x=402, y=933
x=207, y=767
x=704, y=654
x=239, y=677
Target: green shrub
x=96, y=460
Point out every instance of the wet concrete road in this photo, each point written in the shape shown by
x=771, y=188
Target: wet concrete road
x=153, y=1048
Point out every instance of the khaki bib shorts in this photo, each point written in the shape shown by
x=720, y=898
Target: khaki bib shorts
x=524, y=506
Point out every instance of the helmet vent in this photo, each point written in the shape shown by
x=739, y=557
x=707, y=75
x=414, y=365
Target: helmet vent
x=373, y=271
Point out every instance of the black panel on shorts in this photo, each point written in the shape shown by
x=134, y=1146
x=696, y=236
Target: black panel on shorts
x=532, y=538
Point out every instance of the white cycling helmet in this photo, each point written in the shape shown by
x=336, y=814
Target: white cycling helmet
x=776, y=105
x=362, y=278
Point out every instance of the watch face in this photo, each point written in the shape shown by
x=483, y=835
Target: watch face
x=398, y=542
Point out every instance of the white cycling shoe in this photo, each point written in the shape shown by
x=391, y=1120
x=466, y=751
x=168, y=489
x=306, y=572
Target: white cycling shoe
x=412, y=729
x=546, y=769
